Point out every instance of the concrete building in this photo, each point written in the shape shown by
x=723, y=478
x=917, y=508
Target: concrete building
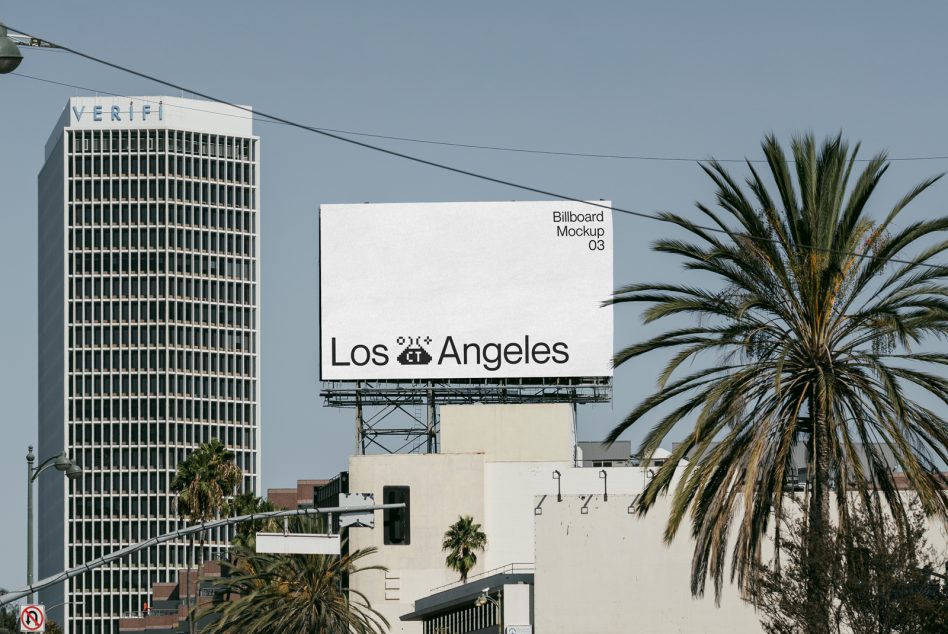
x=596, y=454
x=565, y=553
x=148, y=332
x=299, y=497
x=168, y=611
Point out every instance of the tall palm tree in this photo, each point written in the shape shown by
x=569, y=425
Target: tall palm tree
x=816, y=330
x=293, y=593
x=204, y=481
x=462, y=540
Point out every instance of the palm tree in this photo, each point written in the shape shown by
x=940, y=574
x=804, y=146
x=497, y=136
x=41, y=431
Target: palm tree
x=293, y=593
x=816, y=331
x=248, y=503
x=462, y=540
x=203, y=482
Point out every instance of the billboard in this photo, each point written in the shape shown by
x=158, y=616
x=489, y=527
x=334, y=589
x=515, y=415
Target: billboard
x=481, y=290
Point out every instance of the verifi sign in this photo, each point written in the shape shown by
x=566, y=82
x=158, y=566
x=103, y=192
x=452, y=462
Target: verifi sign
x=115, y=112
x=465, y=290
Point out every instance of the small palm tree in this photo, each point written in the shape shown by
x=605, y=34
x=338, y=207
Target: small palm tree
x=304, y=594
x=205, y=480
x=462, y=540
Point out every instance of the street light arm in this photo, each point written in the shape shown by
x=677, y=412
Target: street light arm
x=491, y=600
x=182, y=532
x=483, y=599
x=46, y=464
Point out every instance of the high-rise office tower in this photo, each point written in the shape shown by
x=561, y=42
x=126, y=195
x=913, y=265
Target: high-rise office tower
x=149, y=290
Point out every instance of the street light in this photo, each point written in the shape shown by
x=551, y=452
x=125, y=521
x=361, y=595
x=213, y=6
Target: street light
x=10, y=56
x=62, y=463
x=483, y=600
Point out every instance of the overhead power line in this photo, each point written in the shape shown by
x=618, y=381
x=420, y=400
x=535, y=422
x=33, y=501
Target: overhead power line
x=475, y=146
x=442, y=166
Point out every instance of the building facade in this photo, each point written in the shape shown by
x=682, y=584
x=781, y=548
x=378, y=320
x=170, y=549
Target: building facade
x=564, y=553
x=148, y=333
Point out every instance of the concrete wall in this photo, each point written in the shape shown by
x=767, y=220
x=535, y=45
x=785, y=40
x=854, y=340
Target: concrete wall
x=609, y=572
x=496, y=460
x=518, y=604
x=442, y=488
x=509, y=433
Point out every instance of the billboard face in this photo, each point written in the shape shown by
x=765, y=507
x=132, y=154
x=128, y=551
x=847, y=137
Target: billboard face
x=465, y=290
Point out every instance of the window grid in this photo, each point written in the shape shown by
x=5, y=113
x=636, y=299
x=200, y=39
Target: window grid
x=162, y=295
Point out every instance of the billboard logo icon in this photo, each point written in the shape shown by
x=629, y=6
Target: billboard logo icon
x=414, y=353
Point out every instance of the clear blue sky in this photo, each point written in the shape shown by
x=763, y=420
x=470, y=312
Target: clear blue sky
x=693, y=79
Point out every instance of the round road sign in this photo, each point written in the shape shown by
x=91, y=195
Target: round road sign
x=33, y=619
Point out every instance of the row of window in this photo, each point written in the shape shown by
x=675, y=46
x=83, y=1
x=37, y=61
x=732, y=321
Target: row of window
x=144, y=360
x=165, y=314
x=129, y=484
x=156, y=434
x=94, y=604
x=145, y=189
x=152, y=165
x=112, y=239
x=173, y=555
x=213, y=296
x=133, y=504
x=160, y=214
x=161, y=385
x=181, y=282
x=162, y=262
x=173, y=336
x=217, y=291
x=175, y=141
x=124, y=409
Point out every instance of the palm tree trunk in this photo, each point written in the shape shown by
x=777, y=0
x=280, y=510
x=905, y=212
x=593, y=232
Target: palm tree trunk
x=187, y=579
x=818, y=522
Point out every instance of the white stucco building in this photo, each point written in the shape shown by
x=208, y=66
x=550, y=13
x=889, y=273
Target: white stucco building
x=564, y=553
x=148, y=332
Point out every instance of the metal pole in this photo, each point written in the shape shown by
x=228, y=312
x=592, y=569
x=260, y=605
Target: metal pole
x=29, y=519
x=360, y=435
x=431, y=418
x=121, y=553
x=500, y=616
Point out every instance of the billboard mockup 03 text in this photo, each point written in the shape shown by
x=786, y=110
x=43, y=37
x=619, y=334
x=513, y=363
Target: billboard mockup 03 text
x=482, y=290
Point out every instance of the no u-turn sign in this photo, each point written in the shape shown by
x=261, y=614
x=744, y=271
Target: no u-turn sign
x=33, y=618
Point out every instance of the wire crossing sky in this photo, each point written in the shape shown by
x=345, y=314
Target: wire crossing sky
x=626, y=157
x=435, y=164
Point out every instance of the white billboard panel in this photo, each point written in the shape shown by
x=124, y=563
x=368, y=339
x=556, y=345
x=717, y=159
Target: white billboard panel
x=480, y=290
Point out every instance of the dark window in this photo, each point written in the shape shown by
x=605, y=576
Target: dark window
x=397, y=522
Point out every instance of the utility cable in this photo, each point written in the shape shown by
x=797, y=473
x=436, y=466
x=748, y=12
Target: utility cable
x=444, y=166
x=474, y=146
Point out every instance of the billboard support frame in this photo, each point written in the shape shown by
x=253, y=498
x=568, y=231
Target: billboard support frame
x=407, y=411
